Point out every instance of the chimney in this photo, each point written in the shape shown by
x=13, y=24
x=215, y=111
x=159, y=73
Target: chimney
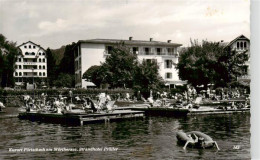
x=130, y=38
x=151, y=39
x=169, y=41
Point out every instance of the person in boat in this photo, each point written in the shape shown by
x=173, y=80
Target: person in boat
x=191, y=140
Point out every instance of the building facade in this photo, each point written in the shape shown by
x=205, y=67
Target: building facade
x=31, y=65
x=242, y=44
x=92, y=52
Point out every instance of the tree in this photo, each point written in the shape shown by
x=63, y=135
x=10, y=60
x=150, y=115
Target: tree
x=8, y=54
x=67, y=62
x=95, y=74
x=119, y=67
x=210, y=63
x=147, y=77
x=52, y=68
x=64, y=80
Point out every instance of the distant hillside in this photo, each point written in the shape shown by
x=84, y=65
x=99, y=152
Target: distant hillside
x=58, y=54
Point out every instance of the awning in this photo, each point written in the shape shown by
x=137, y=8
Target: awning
x=175, y=82
x=90, y=84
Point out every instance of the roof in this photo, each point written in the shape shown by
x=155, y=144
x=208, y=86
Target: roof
x=224, y=44
x=130, y=42
x=241, y=37
x=32, y=43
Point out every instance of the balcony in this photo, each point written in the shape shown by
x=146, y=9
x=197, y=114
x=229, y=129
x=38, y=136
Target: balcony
x=29, y=63
x=159, y=54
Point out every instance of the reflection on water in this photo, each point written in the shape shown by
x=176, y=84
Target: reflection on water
x=153, y=138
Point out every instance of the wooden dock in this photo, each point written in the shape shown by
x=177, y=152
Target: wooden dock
x=81, y=118
x=178, y=112
x=218, y=111
x=158, y=111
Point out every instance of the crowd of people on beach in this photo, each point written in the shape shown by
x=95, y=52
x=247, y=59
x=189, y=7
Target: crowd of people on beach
x=63, y=104
x=191, y=97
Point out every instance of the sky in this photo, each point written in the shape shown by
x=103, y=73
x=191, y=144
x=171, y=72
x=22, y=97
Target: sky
x=53, y=23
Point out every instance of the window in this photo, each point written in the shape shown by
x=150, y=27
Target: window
x=241, y=45
x=151, y=60
x=40, y=67
x=43, y=67
x=25, y=74
x=40, y=73
x=34, y=47
x=237, y=45
x=43, y=73
x=170, y=51
x=135, y=50
x=109, y=49
x=29, y=46
x=40, y=53
x=33, y=53
x=25, y=46
x=35, y=60
x=158, y=50
x=43, y=53
x=16, y=74
x=26, y=53
x=40, y=60
x=20, y=67
x=43, y=60
x=168, y=75
x=147, y=50
x=75, y=65
x=20, y=60
x=245, y=45
x=20, y=73
x=168, y=63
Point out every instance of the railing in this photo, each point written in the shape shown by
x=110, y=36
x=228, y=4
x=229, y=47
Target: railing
x=159, y=53
x=149, y=53
x=29, y=63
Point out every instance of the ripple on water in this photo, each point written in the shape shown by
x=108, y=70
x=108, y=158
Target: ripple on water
x=152, y=138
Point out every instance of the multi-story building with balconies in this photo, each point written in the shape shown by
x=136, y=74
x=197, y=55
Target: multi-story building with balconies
x=92, y=52
x=31, y=64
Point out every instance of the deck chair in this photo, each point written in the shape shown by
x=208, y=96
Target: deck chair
x=110, y=105
x=197, y=102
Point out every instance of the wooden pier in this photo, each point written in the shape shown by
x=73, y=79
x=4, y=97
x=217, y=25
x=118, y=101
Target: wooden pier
x=179, y=112
x=158, y=111
x=218, y=111
x=81, y=118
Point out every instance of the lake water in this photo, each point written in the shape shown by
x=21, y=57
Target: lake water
x=152, y=138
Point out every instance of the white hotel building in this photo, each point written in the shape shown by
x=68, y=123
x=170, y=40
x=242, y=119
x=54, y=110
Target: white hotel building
x=31, y=64
x=92, y=52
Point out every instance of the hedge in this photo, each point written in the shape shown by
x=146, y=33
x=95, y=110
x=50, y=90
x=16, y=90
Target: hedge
x=56, y=92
